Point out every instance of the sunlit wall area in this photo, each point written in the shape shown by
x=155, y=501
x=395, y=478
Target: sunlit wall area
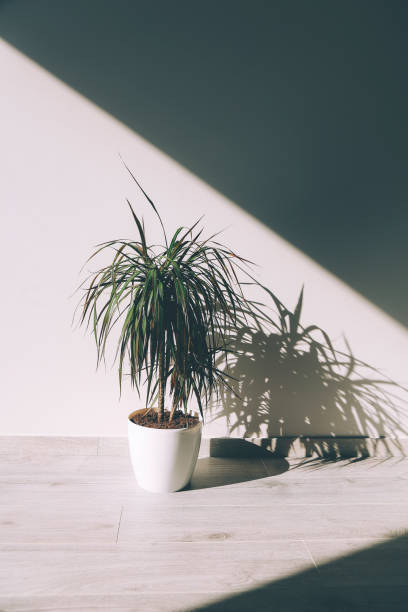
x=62, y=190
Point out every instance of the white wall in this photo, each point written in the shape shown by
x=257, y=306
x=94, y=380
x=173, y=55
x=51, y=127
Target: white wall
x=62, y=191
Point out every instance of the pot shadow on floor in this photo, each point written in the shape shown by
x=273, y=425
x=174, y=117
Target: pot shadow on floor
x=298, y=395
x=234, y=461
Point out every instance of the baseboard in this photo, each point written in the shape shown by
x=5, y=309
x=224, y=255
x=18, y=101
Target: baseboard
x=326, y=447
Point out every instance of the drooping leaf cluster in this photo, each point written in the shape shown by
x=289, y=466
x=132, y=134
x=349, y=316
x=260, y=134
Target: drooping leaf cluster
x=172, y=304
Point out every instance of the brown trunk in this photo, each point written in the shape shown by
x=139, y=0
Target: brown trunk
x=162, y=388
x=174, y=407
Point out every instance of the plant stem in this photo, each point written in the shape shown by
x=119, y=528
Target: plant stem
x=173, y=408
x=162, y=388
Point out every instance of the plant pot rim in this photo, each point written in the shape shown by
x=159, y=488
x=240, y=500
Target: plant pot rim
x=172, y=431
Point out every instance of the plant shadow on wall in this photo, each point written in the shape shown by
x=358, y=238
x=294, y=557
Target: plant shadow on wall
x=289, y=382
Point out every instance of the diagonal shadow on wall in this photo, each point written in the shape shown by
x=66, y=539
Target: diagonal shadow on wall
x=296, y=111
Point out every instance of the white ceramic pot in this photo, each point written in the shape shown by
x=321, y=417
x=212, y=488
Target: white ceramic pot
x=163, y=460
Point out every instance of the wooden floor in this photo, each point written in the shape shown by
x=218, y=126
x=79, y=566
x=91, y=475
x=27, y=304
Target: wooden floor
x=250, y=534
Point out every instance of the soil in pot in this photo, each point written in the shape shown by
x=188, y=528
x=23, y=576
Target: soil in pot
x=179, y=420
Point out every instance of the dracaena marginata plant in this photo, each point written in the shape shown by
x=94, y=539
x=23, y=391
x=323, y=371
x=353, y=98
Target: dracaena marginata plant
x=172, y=304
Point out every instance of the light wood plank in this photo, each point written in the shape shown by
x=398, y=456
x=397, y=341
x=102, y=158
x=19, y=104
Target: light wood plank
x=119, y=602
x=214, y=523
x=264, y=492
x=99, y=479
x=48, y=445
x=113, y=446
x=117, y=470
x=58, y=521
x=173, y=568
x=25, y=470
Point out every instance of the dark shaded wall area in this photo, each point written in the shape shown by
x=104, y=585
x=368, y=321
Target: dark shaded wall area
x=295, y=110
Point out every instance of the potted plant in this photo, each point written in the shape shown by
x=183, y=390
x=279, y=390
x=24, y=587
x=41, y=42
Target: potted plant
x=170, y=306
